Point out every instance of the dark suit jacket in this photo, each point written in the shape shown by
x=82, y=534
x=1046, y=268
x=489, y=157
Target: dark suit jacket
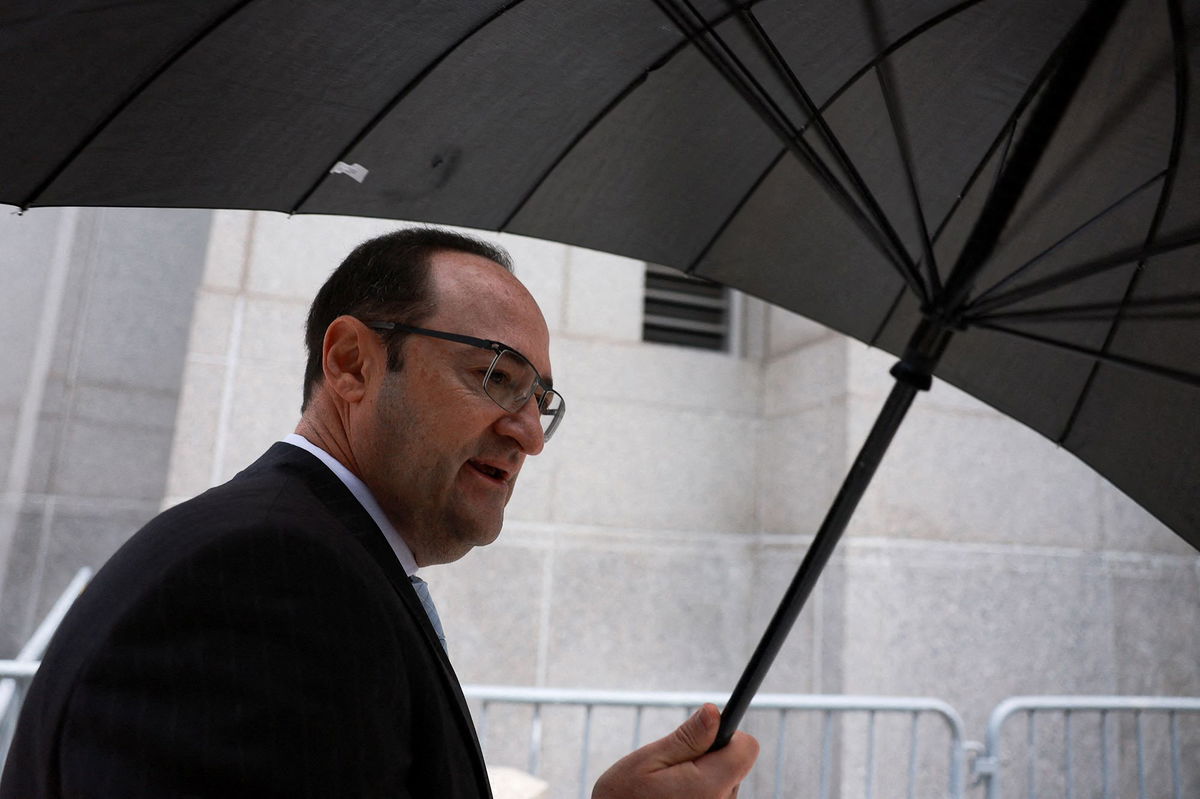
x=260, y=640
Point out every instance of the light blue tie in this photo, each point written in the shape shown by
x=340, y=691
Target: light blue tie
x=422, y=589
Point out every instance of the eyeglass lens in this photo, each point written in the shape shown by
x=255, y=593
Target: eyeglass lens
x=511, y=381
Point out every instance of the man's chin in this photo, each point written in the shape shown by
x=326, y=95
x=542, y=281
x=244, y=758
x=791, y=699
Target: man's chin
x=469, y=534
x=489, y=533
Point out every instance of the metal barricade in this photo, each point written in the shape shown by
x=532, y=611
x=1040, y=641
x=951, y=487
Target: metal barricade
x=1101, y=732
x=1098, y=747
x=832, y=713
x=17, y=673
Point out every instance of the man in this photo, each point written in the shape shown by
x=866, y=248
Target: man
x=268, y=637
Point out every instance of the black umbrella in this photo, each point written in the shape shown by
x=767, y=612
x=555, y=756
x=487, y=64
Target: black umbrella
x=1005, y=193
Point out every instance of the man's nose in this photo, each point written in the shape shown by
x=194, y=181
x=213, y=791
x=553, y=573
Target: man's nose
x=524, y=426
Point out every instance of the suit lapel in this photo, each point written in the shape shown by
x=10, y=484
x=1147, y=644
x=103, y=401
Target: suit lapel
x=341, y=503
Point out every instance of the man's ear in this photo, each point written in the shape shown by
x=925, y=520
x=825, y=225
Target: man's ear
x=350, y=357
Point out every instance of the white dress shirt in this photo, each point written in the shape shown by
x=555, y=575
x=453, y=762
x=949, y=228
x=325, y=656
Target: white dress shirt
x=360, y=491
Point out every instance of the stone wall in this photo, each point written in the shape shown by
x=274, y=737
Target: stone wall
x=97, y=310
x=154, y=356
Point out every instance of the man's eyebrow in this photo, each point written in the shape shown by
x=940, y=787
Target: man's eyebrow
x=548, y=381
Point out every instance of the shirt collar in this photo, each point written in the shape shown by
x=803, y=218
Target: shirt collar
x=360, y=491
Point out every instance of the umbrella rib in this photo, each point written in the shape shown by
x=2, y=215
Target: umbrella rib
x=1011, y=276
x=593, y=122
x=773, y=116
x=1175, y=14
x=745, y=198
x=887, y=317
x=1145, y=367
x=388, y=107
x=788, y=76
x=1071, y=274
x=1006, y=132
x=1003, y=137
x=1145, y=308
x=883, y=75
x=120, y=107
x=897, y=44
x=901, y=41
x=1072, y=58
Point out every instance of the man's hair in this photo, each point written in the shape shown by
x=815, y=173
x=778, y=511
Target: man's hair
x=384, y=279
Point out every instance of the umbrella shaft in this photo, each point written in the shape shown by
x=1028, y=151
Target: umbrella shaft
x=856, y=482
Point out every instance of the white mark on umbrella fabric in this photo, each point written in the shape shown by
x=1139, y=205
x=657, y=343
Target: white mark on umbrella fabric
x=356, y=172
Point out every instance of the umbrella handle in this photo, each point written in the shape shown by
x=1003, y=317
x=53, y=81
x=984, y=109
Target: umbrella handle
x=856, y=482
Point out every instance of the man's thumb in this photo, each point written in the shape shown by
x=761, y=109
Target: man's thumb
x=692, y=738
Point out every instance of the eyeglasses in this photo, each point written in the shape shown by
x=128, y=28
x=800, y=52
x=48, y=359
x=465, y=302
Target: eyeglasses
x=510, y=380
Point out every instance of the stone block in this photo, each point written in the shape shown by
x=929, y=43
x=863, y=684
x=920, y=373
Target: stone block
x=25, y=270
x=273, y=329
x=23, y=566
x=149, y=244
x=635, y=612
x=974, y=625
x=1111, y=519
x=867, y=375
x=655, y=375
x=53, y=538
x=801, y=462
x=800, y=666
x=57, y=394
x=787, y=331
x=130, y=308
x=533, y=497
x=87, y=534
x=492, y=604
x=212, y=324
x=72, y=305
x=119, y=405
x=974, y=477
x=264, y=407
x=292, y=256
x=542, y=267
x=195, y=432
x=604, y=295
x=641, y=466
x=228, y=250
x=8, y=437
x=1127, y=526
x=754, y=317
x=28, y=238
x=118, y=461
x=48, y=436
x=810, y=376
x=1156, y=629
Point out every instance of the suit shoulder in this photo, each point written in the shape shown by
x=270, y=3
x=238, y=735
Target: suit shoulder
x=265, y=530
x=257, y=502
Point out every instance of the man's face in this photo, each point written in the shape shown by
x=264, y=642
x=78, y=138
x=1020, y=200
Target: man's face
x=438, y=454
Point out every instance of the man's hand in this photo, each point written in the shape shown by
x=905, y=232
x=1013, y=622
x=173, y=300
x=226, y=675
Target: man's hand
x=676, y=767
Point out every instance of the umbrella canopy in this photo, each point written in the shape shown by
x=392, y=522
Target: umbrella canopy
x=669, y=132
x=1006, y=193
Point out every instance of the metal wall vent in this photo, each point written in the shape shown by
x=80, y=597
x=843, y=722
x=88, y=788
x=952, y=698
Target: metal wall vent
x=685, y=310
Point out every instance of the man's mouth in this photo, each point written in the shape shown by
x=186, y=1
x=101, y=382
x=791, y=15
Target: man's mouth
x=488, y=470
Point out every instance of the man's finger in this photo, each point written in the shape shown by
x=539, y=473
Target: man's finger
x=691, y=739
x=731, y=764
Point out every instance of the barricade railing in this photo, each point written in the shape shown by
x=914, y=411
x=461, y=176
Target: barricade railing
x=17, y=673
x=830, y=710
x=1085, y=746
x=1051, y=750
